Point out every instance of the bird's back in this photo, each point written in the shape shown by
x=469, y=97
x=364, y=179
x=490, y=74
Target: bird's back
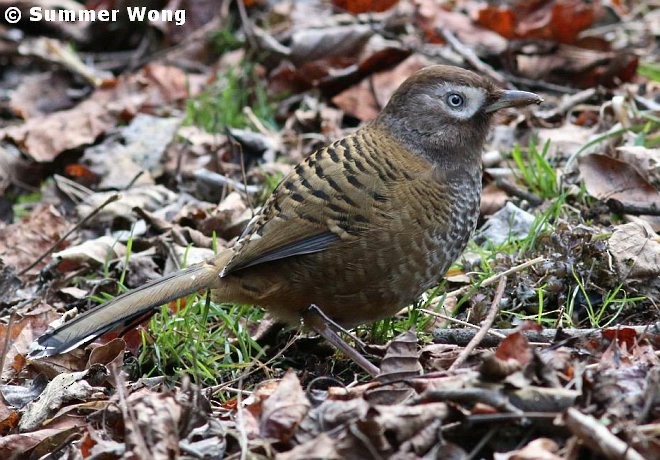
x=398, y=222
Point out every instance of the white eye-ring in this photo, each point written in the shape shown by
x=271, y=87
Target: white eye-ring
x=455, y=100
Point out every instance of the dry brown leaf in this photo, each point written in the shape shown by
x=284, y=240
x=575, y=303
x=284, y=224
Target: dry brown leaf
x=23, y=242
x=8, y=419
x=312, y=44
x=334, y=74
x=44, y=138
x=284, y=410
x=98, y=250
x=389, y=427
x=364, y=100
x=323, y=446
x=147, y=197
x=560, y=20
x=138, y=148
x=564, y=140
x=401, y=358
x=19, y=445
x=364, y=6
x=331, y=414
x=401, y=362
x=107, y=353
x=492, y=199
x=432, y=18
x=41, y=94
x=635, y=248
x=579, y=67
x=157, y=418
x=538, y=449
x=607, y=178
x=644, y=160
x=62, y=389
x=512, y=355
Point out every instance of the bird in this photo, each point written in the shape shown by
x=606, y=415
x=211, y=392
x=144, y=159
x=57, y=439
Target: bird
x=356, y=231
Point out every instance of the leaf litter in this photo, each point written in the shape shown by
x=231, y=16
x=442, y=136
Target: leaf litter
x=316, y=70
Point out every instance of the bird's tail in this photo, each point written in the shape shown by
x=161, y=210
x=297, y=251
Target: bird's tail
x=126, y=309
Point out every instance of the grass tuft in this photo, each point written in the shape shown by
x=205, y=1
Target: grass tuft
x=208, y=341
x=221, y=103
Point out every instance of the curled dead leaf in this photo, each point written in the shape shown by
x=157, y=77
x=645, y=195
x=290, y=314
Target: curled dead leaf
x=635, y=248
x=608, y=178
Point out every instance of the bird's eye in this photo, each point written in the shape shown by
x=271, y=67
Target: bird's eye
x=455, y=100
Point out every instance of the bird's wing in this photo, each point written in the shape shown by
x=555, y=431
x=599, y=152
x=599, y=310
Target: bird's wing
x=326, y=200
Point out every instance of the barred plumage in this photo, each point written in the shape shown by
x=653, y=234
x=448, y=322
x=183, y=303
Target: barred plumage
x=360, y=228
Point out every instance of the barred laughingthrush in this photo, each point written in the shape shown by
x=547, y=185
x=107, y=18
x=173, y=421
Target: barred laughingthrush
x=359, y=229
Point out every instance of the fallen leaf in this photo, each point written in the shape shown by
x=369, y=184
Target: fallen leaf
x=432, y=18
x=283, y=411
x=508, y=224
x=512, y=355
x=635, y=248
x=98, y=250
x=137, y=148
x=538, y=449
x=492, y=199
x=62, y=389
x=365, y=100
x=607, y=178
x=41, y=94
x=312, y=44
x=147, y=197
x=19, y=445
x=23, y=242
x=557, y=20
x=401, y=362
x=645, y=160
x=44, y=138
x=364, y=6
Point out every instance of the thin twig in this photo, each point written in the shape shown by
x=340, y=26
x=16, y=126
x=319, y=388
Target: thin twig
x=488, y=281
x=471, y=57
x=240, y=421
x=133, y=432
x=482, y=442
x=513, y=190
x=546, y=337
x=541, y=84
x=132, y=182
x=461, y=322
x=220, y=181
x=111, y=199
x=618, y=207
x=234, y=144
x=248, y=112
x=253, y=367
x=485, y=325
x=5, y=348
x=597, y=437
x=567, y=103
x=248, y=27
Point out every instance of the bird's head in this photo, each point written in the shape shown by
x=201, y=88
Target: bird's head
x=444, y=112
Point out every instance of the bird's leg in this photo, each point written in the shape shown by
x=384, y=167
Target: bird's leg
x=314, y=318
x=336, y=326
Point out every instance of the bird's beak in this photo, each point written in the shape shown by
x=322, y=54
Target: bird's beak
x=512, y=98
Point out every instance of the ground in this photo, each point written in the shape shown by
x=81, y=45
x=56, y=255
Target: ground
x=131, y=149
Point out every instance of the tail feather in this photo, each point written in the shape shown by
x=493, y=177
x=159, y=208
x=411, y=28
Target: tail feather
x=124, y=310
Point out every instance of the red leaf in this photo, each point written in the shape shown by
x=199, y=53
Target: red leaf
x=364, y=6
